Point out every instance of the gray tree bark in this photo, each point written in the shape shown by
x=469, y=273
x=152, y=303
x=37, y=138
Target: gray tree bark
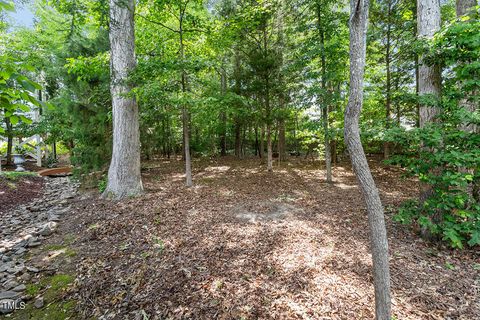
x=124, y=179
x=429, y=81
x=378, y=233
x=463, y=7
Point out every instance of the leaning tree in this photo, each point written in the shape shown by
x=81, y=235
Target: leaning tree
x=376, y=221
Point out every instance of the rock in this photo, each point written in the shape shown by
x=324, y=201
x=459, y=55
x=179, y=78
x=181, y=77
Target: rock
x=26, y=277
x=53, y=217
x=6, y=258
x=20, y=251
x=34, y=244
x=39, y=303
x=20, y=288
x=9, y=295
x=10, y=284
x=33, y=269
x=48, y=228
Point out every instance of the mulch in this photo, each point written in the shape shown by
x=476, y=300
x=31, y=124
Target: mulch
x=179, y=253
x=21, y=191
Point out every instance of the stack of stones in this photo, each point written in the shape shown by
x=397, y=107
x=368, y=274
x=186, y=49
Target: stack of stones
x=23, y=228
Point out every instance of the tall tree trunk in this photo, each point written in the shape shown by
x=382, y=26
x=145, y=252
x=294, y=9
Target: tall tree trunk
x=223, y=115
x=326, y=136
x=388, y=89
x=185, y=115
x=124, y=178
x=378, y=232
x=429, y=77
x=429, y=80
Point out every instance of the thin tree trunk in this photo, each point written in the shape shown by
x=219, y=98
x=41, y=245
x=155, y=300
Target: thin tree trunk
x=378, y=233
x=281, y=140
x=388, y=89
x=124, y=178
x=326, y=143
x=185, y=115
x=8, y=130
x=262, y=141
x=223, y=115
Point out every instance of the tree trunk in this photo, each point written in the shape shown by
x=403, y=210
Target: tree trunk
x=378, y=233
x=261, y=152
x=388, y=89
x=185, y=115
x=124, y=179
x=429, y=77
x=429, y=80
x=223, y=115
x=463, y=7
x=281, y=140
x=269, y=148
x=8, y=130
x=326, y=144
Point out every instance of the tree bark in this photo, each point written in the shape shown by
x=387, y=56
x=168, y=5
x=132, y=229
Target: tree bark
x=8, y=130
x=463, y=7
x=223, y=115
x=124, y=178
x=185, y=115
x=326, y=143
x=261, y=151
x=378, y=233
x=429, y=77
x=282, y=155
x=388, y=89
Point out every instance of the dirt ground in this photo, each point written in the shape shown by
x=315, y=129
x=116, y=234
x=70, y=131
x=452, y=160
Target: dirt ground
x=247, y=244
x=23, y=190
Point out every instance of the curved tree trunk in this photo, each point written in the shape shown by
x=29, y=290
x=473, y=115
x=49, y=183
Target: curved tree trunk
x=378, y=233
x=124, y=179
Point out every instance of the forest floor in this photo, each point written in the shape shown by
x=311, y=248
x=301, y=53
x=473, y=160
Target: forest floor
x=244, y=243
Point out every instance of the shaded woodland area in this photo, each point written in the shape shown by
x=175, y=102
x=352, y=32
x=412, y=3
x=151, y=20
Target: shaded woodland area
x=229, y=159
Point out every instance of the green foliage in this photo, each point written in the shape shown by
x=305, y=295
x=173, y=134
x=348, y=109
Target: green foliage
x=445, y=155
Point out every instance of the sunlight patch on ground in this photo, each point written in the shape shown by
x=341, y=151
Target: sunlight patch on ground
x=344, y=186
x=217, y=169
x=265, y=211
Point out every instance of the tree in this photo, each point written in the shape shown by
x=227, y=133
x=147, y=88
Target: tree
x=428, y=23
x=378, y=233
x=124, y=178
x=463, y=7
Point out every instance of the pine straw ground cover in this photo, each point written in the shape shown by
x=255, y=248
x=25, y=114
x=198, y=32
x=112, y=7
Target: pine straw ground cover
x=247, y=244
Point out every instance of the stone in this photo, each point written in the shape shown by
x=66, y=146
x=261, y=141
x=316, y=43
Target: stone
x=33, y=269
x=20, y=288
x=53, y=217
x=20, y=251
x=26, y=277
x=34, y=244
x=48, y=228
x=39, y=302
x=10, y=284
x=6, y=258
x=9, y=295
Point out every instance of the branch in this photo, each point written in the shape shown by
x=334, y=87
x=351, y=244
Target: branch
x=158, y=23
